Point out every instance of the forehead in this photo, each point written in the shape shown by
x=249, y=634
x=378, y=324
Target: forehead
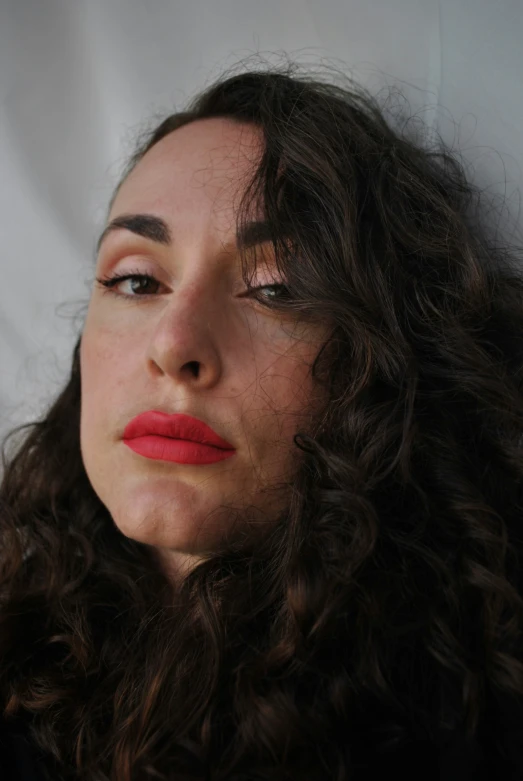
x=195, y=166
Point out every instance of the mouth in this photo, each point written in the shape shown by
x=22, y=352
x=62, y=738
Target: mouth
x=177, y=426
x=180, y=451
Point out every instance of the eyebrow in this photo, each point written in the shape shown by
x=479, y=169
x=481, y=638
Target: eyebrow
x=156, y=229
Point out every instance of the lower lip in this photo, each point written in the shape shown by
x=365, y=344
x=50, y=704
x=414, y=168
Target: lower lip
x=182, y=451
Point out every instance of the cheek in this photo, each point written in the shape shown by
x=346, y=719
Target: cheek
x=284, y=398
x=102, y=369
x=287, y=387
x=289, y=378
x=92, y=360
x=103, y=353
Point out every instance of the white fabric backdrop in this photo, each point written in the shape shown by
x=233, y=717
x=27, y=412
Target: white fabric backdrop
x=78, y=79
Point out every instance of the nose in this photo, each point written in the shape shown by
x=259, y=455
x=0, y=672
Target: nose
x=184, y=343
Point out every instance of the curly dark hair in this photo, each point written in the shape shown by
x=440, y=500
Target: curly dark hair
x=380, y=619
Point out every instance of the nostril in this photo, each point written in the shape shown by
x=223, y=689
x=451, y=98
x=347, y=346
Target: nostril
x=195, y=367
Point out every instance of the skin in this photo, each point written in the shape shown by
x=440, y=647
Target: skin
x=253, y=387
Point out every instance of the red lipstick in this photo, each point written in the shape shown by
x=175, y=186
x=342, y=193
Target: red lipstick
x=179, y=438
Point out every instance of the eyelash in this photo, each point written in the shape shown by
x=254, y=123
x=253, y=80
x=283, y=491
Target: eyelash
x=109, y=282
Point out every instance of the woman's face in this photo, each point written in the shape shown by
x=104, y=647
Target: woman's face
x=191, y=342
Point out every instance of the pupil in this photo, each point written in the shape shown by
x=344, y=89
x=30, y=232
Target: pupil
x=140, y=281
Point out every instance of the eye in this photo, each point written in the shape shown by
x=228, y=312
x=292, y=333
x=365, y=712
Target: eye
x=282, y=292
x=111, y=282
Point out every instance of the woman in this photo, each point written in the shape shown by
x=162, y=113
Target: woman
x=271, y=527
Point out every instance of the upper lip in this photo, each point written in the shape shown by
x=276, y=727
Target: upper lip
x=175, y=426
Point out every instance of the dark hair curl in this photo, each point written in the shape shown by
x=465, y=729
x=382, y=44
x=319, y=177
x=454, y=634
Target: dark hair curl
x=380, y=618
